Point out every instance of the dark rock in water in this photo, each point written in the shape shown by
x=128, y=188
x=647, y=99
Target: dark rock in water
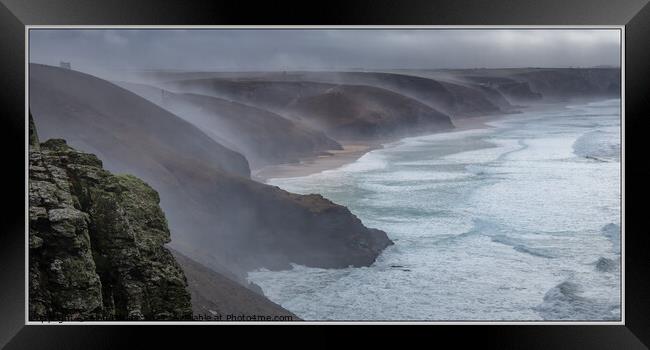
x=96, y=242
x=605, y=265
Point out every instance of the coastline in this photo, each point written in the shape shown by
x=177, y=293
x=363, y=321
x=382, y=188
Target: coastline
x=438, y=208
x=352, y=151
x=333, y=159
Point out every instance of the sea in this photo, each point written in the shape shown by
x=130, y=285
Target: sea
x=517, y=221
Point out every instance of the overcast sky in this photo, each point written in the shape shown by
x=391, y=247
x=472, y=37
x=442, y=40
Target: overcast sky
x=218, y=49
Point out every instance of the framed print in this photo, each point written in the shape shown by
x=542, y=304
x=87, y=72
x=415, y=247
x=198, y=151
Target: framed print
x=449, y=164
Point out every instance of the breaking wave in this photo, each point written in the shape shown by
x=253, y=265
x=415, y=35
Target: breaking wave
x=486, y=223
x=564, y=301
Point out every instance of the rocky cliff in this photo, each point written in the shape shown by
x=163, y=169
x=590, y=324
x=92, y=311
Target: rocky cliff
x=96, y=242
x=272, y=228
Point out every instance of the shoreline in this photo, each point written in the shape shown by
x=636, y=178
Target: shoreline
x=333, y=159
x=352, y=151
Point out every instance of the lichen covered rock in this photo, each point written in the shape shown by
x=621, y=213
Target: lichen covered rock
x=96, y=242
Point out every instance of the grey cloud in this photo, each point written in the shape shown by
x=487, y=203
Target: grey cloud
x=219, y=49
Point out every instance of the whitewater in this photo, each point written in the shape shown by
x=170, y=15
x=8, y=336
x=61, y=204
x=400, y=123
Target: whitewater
x=518, y=221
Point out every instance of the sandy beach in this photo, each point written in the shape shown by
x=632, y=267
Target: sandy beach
x=351, y=152
x=308, y=166
x=475, y=122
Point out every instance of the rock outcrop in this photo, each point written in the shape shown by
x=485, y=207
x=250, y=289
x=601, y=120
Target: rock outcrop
x=96, y=242
x=272, y=228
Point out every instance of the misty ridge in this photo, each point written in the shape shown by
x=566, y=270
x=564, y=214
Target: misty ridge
x=196, y=138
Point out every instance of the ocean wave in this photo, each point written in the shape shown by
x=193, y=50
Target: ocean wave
x=373, y=160
x=497, y=233
x=522, y=248
x=564, y=302
x=599, y=145
x=610, y=103
x=500, y=238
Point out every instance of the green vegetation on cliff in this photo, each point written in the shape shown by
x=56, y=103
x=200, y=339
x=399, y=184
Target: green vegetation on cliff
x=96, y=242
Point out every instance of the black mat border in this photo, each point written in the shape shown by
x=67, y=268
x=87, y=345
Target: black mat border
x=633, y=14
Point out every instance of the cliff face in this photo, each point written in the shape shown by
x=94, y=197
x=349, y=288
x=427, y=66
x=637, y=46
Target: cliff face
x=94, y=115
x=458, y=93
x=263, y=137
x=366, y=112
x=217, y=214
x=536, y=84
x=215, y=295
x=269, y=227
x=341, y=111
x=511, y=88
x=575, y=82
x=96, y=242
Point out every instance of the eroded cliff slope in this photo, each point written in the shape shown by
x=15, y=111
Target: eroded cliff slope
x=217, y=214
x=263, y=137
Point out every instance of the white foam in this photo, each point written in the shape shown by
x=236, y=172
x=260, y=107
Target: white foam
x=487, y=224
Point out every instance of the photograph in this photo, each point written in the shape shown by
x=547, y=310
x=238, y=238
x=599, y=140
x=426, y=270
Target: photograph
x=325, y=174
x=447, y=173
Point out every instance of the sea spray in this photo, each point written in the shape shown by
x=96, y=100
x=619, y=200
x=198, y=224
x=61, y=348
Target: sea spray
x=508, y=222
